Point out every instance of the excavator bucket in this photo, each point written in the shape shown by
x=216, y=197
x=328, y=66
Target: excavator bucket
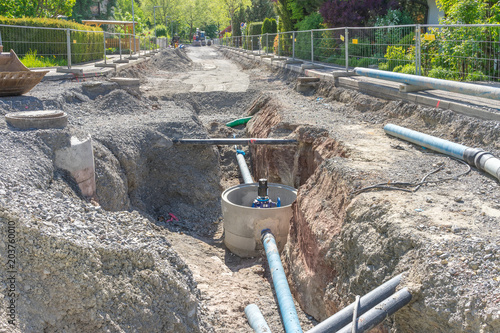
x=15, y=78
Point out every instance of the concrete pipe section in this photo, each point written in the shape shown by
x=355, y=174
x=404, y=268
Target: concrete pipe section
x=37, y=119
x=243, y=224
x=78, y=159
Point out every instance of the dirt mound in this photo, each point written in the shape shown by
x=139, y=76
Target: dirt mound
x=172, y=60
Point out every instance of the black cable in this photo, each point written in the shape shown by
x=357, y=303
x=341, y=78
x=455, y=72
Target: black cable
x=394, y=186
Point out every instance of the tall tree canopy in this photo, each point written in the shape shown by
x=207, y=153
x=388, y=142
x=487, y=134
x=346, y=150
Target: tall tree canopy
x=36, y=8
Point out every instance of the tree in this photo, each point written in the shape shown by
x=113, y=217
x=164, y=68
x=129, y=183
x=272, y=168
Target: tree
x=470, y=11
x=259, y=10
x=232, y=6
x=36, y=8
x=82, y=10
x=353, y=13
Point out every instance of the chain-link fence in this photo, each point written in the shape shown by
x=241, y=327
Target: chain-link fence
x=453, y=52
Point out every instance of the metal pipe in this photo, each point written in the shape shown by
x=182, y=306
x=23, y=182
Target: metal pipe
x=256, y=319
x=245, y=173
x=238, y=141
x=380, y=312
x=283, y=294
x=344, y=316
x=482, y=160
x=431, y=83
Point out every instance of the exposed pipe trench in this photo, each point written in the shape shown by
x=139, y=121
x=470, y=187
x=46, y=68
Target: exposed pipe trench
x=236, y=141
x=344, y=316
x=484, y=161
x=431, y=83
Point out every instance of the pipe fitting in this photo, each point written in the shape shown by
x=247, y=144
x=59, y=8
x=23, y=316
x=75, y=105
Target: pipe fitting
x=470, y=154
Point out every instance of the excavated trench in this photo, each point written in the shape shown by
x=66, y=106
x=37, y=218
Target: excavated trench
x=339, y=245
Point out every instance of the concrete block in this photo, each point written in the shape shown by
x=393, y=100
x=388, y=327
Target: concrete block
x=69, y=70
x=403, y=87
x=262, y=56
x=293, y=62
x=106, y=65
x=278, y=59
x=122, y=61
x=310, y=66
x=307, y=79
x=308, y=86
x=336, y=74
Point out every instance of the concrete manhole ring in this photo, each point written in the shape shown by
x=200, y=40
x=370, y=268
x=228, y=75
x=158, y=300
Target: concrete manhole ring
x=37, y=119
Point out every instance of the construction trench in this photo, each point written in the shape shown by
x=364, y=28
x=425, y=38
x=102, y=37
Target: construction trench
x=143, y=250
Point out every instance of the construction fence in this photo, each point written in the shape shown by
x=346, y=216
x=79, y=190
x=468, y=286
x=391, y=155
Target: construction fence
x=452, y=52
x=73, y=46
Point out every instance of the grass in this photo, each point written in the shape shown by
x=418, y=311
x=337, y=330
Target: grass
x=32, y=60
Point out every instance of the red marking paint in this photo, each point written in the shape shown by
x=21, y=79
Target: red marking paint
x=252, y=140
x=437, y=105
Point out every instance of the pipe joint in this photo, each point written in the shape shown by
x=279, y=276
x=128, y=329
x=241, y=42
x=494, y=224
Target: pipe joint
x=470, y=154
x=481, y=158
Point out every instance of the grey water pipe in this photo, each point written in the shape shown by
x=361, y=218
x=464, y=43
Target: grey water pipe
x=236, y=141
x=431, y=83
x=344, y=316
x=380, y=312
x=245, y=173
x=482, y=160
x=285, y=300
x=256, y=319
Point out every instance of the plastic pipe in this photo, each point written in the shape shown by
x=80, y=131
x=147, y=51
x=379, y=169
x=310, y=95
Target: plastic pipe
x=344, y=316
x=482, y=160
x=283, y=294
x=245, y=173
x=430, y=83
x=256, y=319
x=238, y=141
x=380, y=312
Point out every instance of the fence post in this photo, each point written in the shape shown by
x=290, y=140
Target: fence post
x=104, y=44
x=346, y=49
x=293, y=45
x=68, y=46
x=267, y=42
x=418, y=65
x=312, y=46
x=120, y=45
x=279, y=44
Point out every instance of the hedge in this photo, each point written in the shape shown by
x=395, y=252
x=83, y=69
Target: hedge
x=253, y=30
x=86, y=41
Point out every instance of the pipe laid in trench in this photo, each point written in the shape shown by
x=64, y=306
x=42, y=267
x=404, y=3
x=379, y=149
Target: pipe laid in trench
x=236, y=141
x=482, y=160
x=431, y=83
x=344, y=316
x=245, y=173
x=256, y=319
x=380, y=312
x=283, y=294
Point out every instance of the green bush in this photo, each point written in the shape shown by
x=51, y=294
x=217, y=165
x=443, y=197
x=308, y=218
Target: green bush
x=161, y=30
x=86, y=43
x=405, y=69
x=441, y=73
x=253, y=30
x=476, y=76
x=269, y=26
